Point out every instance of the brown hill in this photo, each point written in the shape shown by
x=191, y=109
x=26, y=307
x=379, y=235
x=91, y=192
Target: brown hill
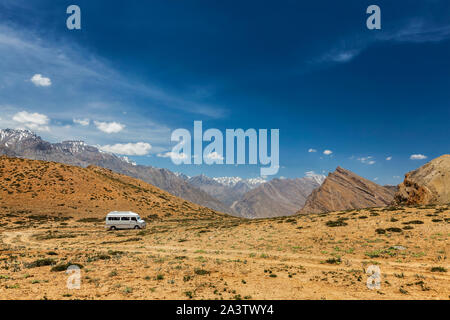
x=40, y=187
x=430, y=184
x=343, y=190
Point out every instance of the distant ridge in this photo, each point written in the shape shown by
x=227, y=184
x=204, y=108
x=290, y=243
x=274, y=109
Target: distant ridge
x=228, y=190
x=278, y=197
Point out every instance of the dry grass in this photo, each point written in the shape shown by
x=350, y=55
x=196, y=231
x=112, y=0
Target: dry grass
x=300, y=257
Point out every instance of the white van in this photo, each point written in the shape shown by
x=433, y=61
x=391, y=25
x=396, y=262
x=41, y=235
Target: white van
x=124, y=220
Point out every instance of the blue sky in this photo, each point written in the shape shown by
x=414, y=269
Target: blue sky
x=137, y=71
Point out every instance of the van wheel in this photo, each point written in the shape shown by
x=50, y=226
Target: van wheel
x=136, y=227
x=113, y=228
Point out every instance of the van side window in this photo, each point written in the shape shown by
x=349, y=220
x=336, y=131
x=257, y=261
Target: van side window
x=133, y=219
x=125, y=218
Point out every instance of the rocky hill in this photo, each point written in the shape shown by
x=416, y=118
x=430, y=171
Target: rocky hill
x=343, y=190
x=26, y=144
x=279, y=197
x=430, y=184
x=50, y=188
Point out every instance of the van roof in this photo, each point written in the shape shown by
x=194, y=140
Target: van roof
x=122, y=213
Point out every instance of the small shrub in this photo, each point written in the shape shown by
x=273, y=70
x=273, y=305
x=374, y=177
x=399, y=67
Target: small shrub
x=413, y=222
x=438, y=269
x=41, y=263
x=87, y=220
x=394, y=229
x=337, y=223
x=333, y=261
x=63, y=266
x=201, y=272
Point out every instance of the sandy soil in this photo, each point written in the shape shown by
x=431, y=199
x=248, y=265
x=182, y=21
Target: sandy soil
x=320, y=256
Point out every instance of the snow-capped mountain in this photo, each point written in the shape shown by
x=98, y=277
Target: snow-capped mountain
x=226, y=189
x=11, y=136
x=72, y=146
x=181, y=175
x=257, y=197
x=254, y=182
x=278, y=197
x=232, y=181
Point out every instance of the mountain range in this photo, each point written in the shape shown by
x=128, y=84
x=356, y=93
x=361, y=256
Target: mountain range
x=249, y=198
x=26, y=144
x=224, y=194
x=278, y=197
x=226, y=189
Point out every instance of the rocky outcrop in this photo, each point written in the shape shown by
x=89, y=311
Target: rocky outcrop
x=430, y=184
x=344, y=190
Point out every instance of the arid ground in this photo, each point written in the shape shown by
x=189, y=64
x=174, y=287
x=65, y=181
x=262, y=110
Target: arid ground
x=319, y=256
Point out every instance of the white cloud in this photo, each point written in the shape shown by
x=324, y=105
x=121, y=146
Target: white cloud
x=367, y=160
x=418, y=157
x=88, y=79
x=33, y=121
x=327, y=152
x=418, y=31
x=388, y=158
x=129, y=149
x=40, y=81
x=173, y=155
x=312, y=150
x=376, y=179
x=109, y=127
x=343, y=56
x=83, y=122
x=214, y=156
